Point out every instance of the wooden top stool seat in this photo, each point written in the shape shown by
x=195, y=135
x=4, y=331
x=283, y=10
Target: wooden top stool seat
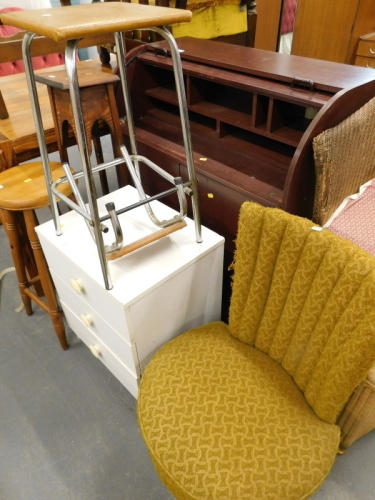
x=79, y=21
x=24, y=187
x=22, y=190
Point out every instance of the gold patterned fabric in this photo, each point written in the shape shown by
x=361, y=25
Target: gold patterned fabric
x=248, y=411
x=302, y=295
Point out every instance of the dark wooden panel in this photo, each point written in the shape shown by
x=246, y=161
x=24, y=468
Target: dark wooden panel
x=282, y=67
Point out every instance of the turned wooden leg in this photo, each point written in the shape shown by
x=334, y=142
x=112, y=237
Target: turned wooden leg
x=27, y=253
x=10, y=224
x=45, y=278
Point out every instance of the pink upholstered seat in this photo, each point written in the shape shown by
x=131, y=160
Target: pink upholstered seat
x=355, y=218
x=288, y=16
x=39, y=62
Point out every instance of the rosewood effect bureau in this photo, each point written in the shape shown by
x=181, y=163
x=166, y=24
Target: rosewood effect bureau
x=253, y=115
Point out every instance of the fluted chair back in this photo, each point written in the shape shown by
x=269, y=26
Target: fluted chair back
x=248, y=410
x=302, y=295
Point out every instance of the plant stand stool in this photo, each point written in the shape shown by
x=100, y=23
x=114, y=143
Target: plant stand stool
x=23, y=189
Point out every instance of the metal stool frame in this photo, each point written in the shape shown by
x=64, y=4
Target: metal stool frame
x=94, y=222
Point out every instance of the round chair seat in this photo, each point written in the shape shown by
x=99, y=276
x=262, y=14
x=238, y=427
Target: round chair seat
x=223, y=421
x=24, y=187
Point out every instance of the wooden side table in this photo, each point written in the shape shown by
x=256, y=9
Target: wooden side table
x=365, y=55
x=98, y=102
x=23, y=190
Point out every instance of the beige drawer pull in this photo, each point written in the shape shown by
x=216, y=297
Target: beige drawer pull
x=372, y=51
x=95, y=350
x=368, y=66
x=77, y=286
x=87, y=319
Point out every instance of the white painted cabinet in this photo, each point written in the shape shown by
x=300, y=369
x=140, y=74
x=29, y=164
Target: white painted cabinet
x=159, y=291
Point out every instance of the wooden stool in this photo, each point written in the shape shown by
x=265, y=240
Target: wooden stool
x=23, y=189
x=98, y=102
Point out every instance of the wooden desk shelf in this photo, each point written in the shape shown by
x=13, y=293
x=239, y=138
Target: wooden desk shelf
x=253, y=115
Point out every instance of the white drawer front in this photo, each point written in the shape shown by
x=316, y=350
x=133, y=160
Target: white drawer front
x=92, y=293
x=98, y=326
x=108, y=358
x=98, y=322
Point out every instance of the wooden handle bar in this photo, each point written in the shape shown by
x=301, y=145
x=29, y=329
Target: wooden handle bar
x=157, y=235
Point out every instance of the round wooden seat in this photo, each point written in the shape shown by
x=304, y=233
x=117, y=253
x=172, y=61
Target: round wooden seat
x=23, y=189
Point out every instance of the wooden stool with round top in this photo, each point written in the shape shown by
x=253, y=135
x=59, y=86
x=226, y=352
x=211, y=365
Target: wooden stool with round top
x=22, y=190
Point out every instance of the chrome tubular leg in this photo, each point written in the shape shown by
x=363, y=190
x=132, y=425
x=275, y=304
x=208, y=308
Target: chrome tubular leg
x=133, y=168
x=180, y=88
x=121, y=61
x=37, y=115
x=70, y=63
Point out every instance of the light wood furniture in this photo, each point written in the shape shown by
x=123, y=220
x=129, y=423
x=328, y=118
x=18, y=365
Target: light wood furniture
x=322, y=30
x=18, y=141
x=365, y=55
x=252, y=115
x=268, y=23
x=23, y=190
x=158, y=291
x=331, y=30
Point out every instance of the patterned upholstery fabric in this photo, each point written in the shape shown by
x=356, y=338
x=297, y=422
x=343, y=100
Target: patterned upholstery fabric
x=223, y=421
x=248, y=411
x=298, y=295
x=39, y=62
x=355, y=218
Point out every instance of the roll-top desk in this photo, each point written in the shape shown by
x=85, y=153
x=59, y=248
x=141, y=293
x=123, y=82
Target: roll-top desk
x=253, y=115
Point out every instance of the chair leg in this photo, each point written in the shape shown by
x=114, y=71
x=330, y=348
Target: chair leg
x=45, y=278
x=11, y=227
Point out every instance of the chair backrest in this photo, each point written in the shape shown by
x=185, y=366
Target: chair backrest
x=11, y=67
x=344, y=160
x=306, y=297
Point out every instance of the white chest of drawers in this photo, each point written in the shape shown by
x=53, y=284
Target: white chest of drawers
x=159, y=291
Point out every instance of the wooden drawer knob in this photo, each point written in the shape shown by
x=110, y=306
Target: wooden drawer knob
x=77, y=286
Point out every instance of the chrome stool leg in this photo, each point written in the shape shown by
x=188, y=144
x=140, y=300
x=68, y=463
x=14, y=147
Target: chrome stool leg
x=75, y=32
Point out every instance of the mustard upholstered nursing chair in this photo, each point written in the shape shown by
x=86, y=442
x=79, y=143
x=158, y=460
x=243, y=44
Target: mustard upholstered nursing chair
x=344, y=164
x=248, y=410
